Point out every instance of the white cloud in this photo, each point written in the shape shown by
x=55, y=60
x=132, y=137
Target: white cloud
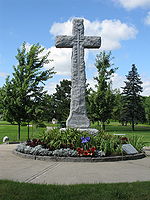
x=146, y=85
x=112, y=32
x=61, y=60
x=64, y=28
x=147, y=19
x=50, y=87
x=3, y=74
x=118, y=82
x=132, y=4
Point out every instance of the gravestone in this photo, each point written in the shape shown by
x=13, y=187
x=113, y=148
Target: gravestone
x=129, y=149
x=78, y=42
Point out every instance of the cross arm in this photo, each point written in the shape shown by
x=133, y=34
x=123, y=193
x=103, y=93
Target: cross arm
x=64, y=41
x=92, y=42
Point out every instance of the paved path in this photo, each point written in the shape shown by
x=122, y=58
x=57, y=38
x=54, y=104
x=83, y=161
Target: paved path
x=15, y=168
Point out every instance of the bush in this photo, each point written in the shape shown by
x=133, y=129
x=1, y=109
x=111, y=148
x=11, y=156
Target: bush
x=40, y=125
x=110, y=144
x=137, y=142
x=37, y=150
x=24, y=124
x=57, y=138
x=65, y=152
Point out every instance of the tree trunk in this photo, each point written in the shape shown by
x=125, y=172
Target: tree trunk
x=18, y=131
x=103, y=126
x=132, y=124
x=28, y=132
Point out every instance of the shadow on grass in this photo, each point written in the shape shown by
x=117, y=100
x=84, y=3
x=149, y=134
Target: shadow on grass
x=115, y=191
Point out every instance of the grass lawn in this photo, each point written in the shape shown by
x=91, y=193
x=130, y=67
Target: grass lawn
x=140, y=130
x=112, y=128
x=6, y=129
x=117, y=191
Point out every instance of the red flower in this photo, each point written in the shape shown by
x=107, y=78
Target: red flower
x=88, y=152
x=80, y=151
x=93, y=149
x=124, y=139
x=85, y=153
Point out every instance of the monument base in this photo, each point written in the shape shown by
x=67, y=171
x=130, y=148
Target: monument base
x=77, y=121
x=91, y=131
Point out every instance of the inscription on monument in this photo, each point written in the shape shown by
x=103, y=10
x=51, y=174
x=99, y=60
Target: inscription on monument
x=129, y=149
x=78, y=116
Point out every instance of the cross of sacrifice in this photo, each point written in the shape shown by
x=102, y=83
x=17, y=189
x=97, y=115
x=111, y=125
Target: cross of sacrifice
x=78, y=116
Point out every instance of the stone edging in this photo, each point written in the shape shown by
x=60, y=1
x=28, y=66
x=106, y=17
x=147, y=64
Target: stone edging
x=81, y=159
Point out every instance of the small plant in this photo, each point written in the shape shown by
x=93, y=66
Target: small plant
x=137, y=142
x=41, y=125
x=34, y=142
x=124, y=140
x=109, y=144
x=71, y=142
x=65, y=152
x=37, y=150
x=86, y=152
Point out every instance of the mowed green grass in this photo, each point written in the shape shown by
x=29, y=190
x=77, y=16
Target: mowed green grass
x=117, y=191
x=11, y=131
x=6, y=129
x=141, y=130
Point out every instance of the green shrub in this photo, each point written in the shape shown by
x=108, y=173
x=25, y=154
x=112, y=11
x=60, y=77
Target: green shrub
x=110, y=144
x=24, y=124
x=137, y=142
x=72, y=138
x=57, y=138
x=40, y=125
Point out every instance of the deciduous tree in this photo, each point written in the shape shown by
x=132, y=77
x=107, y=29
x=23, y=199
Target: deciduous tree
x=25, y=90
x=61, y=99
x=102, y=100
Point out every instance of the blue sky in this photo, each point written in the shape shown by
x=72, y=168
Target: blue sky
x=124, y=26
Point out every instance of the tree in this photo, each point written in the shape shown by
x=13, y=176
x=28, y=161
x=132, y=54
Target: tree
x=48, y=108
x=117, y=105
x=61, y=99
x=1, y=104
x=25, y=91
x=102, y=100
x=147, y=108
x=133, y=110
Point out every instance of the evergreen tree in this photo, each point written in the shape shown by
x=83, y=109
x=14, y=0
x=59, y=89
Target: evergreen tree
x=24, y=92
x=133, y=110
x=102, y=100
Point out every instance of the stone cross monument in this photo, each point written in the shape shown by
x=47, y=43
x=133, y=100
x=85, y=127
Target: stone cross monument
x=78, y=117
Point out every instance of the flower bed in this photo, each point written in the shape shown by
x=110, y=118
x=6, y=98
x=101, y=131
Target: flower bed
x=71, y=143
